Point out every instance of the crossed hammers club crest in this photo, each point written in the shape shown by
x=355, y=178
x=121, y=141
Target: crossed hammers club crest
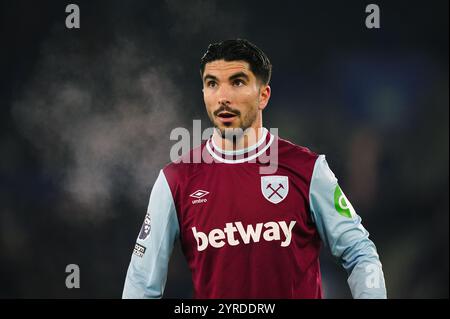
x=275, y=188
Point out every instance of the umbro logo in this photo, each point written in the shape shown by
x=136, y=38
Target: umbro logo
x=199, y=194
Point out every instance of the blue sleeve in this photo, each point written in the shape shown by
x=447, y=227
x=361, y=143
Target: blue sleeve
x=341, y=230
x=147, y=272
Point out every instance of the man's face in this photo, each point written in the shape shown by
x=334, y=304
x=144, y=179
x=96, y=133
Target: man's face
x=233, y=95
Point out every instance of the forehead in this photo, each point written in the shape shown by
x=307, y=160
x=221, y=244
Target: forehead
x=226, y=68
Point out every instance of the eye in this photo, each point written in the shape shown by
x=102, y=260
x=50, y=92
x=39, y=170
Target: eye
x=238, y=82
x=211, y=84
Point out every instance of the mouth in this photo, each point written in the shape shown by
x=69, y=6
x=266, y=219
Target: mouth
x=226, y=117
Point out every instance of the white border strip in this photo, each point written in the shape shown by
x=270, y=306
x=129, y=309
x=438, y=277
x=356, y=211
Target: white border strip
x=242, y=160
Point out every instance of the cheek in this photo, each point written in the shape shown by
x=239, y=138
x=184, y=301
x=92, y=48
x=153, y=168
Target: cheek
x=207, y=99
x=249, y=97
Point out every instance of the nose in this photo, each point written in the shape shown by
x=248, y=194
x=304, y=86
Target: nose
x=224, y=96
x=223, y=101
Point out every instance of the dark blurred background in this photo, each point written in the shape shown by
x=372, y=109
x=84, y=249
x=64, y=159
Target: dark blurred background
x=86, y=116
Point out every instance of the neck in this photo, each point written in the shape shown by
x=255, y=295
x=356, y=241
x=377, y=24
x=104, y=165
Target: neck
x=250, y=137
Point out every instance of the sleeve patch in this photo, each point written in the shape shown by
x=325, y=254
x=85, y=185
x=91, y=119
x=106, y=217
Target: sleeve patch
x=341, y=203
x=146, y=227
x=139, y=250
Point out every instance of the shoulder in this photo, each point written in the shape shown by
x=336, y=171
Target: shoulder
x=185, y=166
x=296, y=154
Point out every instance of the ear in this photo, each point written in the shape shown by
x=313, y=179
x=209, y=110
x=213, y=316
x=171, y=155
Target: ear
x=264, y=96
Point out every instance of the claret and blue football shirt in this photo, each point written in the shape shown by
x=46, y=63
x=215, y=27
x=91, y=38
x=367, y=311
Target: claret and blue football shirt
x=246, y=234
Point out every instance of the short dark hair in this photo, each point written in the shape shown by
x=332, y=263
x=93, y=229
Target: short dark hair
x=239, y=49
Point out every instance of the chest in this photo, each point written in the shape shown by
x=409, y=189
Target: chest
x=235, y=203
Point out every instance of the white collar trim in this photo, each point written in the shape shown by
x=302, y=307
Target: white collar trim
x=243, y=150
x=242, y=160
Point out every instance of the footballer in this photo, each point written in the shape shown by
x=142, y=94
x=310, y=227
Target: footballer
x=244, y=232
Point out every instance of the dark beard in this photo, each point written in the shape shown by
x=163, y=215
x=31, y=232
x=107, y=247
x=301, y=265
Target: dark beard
x=235, y=135
x=238, y=133
x=231, y=134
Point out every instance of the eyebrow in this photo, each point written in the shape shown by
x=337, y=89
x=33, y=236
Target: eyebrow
x=231, y=78
x=209, y=77
x=239, y=75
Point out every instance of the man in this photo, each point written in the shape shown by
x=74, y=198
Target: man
x=246, y=233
